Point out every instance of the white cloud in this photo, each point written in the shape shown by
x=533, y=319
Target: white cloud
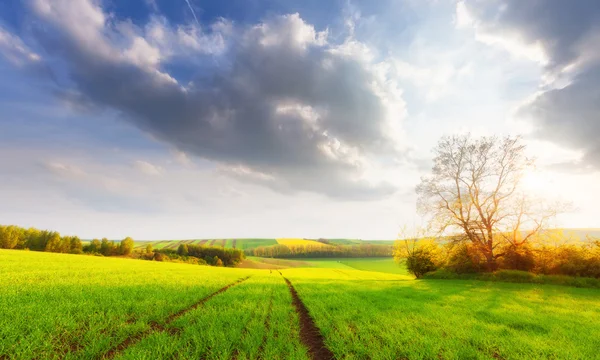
x=65, y=170
x=15, y=51
x=147, y=168
x=462, y=17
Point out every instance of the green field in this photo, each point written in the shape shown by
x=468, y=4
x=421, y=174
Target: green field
x=385, y=265
x=74, y=306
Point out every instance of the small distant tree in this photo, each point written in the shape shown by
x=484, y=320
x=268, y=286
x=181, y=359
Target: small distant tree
x=54, y=243
x=93, y=247
x=108, y=248
x=149, y=249
x=126, y=247
x=11, y=237
x=217, y=261
x=420, y=252
x=65, y=244
x=183, y=250
x=158, y=256
x=75, y=245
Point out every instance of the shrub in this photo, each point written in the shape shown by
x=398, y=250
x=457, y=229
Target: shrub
x=183, y=250
x=126, y=247
x=149, y=249
x=420, y=262
x=463, y=259
x=159, y=257
x=518, y=258
x=217, y=261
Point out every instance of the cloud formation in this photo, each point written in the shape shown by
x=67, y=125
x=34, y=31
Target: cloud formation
x=567, y=108
x=277, y=99
x=15, y=51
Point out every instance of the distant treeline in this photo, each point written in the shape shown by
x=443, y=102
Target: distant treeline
x=15, y=237
x=312, y=251
x=211, y=255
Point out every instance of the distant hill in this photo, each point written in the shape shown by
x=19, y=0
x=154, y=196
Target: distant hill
x=569, y=235
x=251, y=243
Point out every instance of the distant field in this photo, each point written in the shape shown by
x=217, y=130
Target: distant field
x=300, y=242
x=76, y=306
x=384, y=265
x=242, y=244
x=254, y=243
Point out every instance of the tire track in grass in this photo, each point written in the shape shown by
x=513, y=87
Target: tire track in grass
x=156, y=327
x=309, y=332
x=245, y=331
x=267, y=327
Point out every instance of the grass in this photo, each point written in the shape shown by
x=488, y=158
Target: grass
x=232, y=325
x=74, y=306
x=385, y=265
x=391, y=319
x=62, y=302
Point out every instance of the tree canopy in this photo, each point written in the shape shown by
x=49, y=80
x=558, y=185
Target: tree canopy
x=474, y=192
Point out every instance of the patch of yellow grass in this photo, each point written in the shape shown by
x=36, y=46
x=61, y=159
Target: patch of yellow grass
x=300, y=242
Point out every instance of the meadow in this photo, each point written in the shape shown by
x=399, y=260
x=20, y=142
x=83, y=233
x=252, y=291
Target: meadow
x=385, y=265
x=73, y=306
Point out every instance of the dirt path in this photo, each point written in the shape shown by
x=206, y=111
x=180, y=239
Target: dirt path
x=155, y=327
x=309, y=332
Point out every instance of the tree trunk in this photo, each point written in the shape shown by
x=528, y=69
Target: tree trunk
x=491, y=265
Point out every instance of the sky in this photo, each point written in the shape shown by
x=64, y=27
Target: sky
x=168, y=119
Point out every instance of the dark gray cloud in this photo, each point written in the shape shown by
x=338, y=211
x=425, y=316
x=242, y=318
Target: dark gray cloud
x=558, y=26
x=569, y=34
x=571, y=115
x=284, y=105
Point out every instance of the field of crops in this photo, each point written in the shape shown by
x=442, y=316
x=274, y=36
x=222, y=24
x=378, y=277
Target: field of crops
x=242, y=244
x=245, y=244
x=75, y=306
x=300, y=242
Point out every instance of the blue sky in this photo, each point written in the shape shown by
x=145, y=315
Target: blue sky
x=163, y=119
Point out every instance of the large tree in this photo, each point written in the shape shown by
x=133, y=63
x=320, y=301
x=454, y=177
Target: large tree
x=474, y=193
